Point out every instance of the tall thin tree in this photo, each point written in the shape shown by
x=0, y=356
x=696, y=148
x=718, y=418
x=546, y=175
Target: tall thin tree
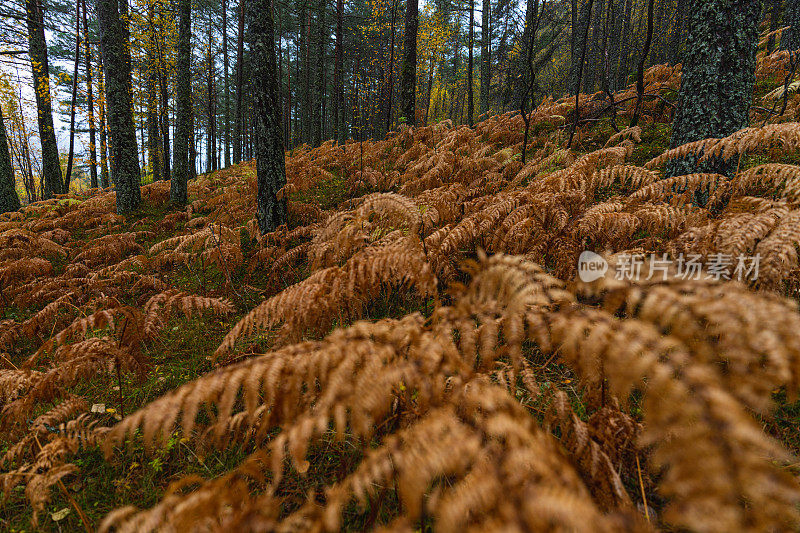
x=471, y=66
x=183, y=115
x=408, y=84
x=152, y=67
x=112, y=16
x=237, y=123
x=90, y=101
x=640, y=70
x=101, y=88
x=51, y=164
x=270, y=159
x=338, y=79
x=486, y=65
x=226, y=88
x=9, y=201
x=74, y=101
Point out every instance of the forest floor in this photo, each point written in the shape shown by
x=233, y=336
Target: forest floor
x=182, y=353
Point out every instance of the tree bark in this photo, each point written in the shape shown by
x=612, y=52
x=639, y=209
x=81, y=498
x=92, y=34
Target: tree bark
x=640, y=72
x=306, y=113
x=319, y=115
x=486, y=65
x=338, y=79
x=74, y=101
x=90, y=103
x=112, y=16
x=211, y=111
x=104, y=174
x=270, y=160
x=408, y=84
x=153, y=140
x=791, y=37
x=163, y=119
x=237, y=123
x=51, y=164
x=390, y=82
x=717, y=77
x=226, y=89
x=9, y=201
x=470, y=66
x=183, y=122
x=581, y=42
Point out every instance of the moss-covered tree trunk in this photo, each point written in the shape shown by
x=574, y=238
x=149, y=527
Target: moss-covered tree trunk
x=791, y=37
x=718, y=75
x=9, y=201
x=408, y=82
x=183, y=114
x=152, y=67
x=51, y=165
x=268, y=134
x=115, y=49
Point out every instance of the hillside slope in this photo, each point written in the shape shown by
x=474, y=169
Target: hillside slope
x=417, y=349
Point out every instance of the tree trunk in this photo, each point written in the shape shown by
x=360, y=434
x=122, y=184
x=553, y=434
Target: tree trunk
x=642, y=60
x=101, y=87
x=319, y=117
x=522, y=68
x=677, y=34
x=115, y=50
x=432, y=66
x=470, y=66
x=183, y=115
x=593, y=49
x=51, y=165
x=226, y=89
x=163, y=119
x=153, y=140
x=9, y=201
x=717, y=77
x=486, y=65
x=74, y=101
x=408, y=85
x=625, y=54
x=580, y=42
x=237, y=122
x=306, y=114
x=338, y=79
x=270, y=162
x=211, y=115
x=392, y=29
x=288, y=115
x=90, y=103
x=791, y=37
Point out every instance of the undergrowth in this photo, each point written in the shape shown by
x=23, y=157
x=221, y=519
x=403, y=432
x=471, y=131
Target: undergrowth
x=415, y=350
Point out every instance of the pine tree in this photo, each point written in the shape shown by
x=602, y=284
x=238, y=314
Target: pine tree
x=718, y=75
x=183, y=115
x=51, y=165
x=270, y=163
x=408, y=85
x=9, y=201
x=115, y=50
